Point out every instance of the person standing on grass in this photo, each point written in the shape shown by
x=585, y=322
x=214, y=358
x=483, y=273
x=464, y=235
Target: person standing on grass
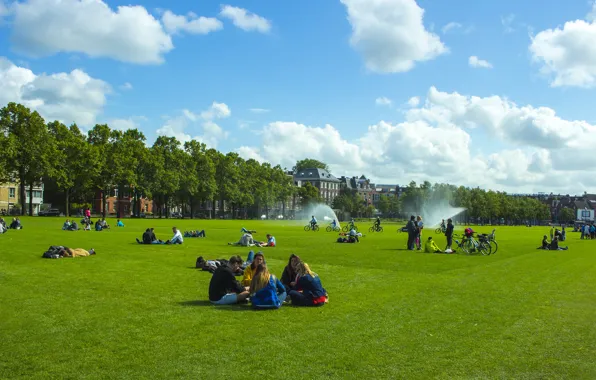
x=420, y=227
x=224, y=289
x=177, y=239
x=449, y=235
x=266, y=291
x=412, y=231
x=308, y=291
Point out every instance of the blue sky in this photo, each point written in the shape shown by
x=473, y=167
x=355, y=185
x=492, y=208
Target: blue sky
x=306, y=73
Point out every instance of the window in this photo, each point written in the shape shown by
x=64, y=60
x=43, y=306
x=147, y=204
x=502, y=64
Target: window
x=11, y=192
x=36, y=194
x=586, y=213
x=116, y=193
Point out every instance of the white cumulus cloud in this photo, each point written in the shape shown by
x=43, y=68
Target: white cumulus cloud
x=413, y=101
x=203, y=125
x=476, y=62
x=390, y=34
x=67, y=97
x=245, y=20
x=190, y=23
x=451, y=26
x=259, y=110
x=128, y=33
x=567, y=55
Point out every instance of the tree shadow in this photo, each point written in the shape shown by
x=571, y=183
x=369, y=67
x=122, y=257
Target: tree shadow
x=207, y=303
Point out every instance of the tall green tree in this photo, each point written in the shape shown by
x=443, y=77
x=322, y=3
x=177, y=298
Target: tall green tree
x=203, y=186
x=101, y=146
x=166, y=158
x=309, y=163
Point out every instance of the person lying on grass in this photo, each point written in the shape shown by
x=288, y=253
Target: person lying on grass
x=349, y=239
x=58, y=252
x=266, y=291
x=431, y=246
x=244, y=230
x=308, y=290
x=177, y=239
x=224, y=289
x=195, y=234
x=288, y=277
x=249, y=271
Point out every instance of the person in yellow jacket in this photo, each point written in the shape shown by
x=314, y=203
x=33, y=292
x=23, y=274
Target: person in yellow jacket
x=251, y=269
x=431, y=246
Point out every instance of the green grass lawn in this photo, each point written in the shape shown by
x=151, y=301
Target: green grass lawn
x=136, y=311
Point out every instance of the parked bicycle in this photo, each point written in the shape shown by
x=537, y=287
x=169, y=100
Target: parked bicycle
x=470, y=245
x=375, y=228
x=308, y=227
x=491, y=240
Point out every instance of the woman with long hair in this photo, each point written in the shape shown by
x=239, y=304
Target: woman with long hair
x=250, y=270
x=308, y=291
x=266, y=291
x=288, y=277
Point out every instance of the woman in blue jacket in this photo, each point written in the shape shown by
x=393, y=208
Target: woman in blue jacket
x=308, y=290
x=266, y=291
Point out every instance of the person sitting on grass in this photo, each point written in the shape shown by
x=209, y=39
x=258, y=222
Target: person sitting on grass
x=290, y=273
x=177, y=239
x=224, y=289
x=266, y=291
x=149, y=238
x=119, y=223
x=195, y=234
x=308, y=290
x=73, y=226
x=104, y=225
x=3, y=223
x=431, y=246
x=563, y=234
x=66, y=225
x=16, y=224
x=355, y=234
x=245, y=241
x=98, y=226
x=2, y=229
x=270, y=241
x=554, y=245
x=249, y=271
x=544, y=245
x=244, y=230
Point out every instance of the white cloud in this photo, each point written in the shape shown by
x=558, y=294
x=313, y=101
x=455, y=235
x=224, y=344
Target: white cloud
x=259, y=110
x=203, y=124
x=567, y=55
x=383, y=101
x=507, y=22
x=245, y=20
x=248, y=153
x=129, y=34
x=124, y=124
x=437, y=142
x=451, y=26
x=390, y=34
x=126, y=86
x=190, y=23
x=68, y=97
x=591, y=16
x=476, y=62
x=413, y=101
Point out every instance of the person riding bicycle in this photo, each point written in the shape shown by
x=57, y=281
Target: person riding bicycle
x=333, y=224
x=377, y=223
x=313, y=222
x=351, y=224
x=443, y=227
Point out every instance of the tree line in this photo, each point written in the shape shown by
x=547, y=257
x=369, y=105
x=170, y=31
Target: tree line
x=80, y=165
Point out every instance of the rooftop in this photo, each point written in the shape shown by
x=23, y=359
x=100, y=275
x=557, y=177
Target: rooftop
x=315, y=174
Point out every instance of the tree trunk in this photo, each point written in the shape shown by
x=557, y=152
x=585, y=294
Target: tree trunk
x=103, y=203
x=192, y=206
x=31, y=199
x=23, y=196
x=67, y=202
x=165, y=201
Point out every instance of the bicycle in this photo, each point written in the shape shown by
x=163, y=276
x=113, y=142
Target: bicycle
x=308, y=227
x=375, y=228
x=470, y=245
x=490, y=238
x=402, y=229
x=440, y=230
x=347, y=228
x=335, y=229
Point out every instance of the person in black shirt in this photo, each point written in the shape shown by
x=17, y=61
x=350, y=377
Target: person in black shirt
x=224, y=289
x=449, y=235
x=412, y=232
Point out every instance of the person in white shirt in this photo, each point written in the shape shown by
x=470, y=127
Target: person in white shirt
x=2, y=229
x=177, y=239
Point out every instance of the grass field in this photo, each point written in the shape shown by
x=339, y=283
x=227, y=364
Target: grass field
x=137, y=311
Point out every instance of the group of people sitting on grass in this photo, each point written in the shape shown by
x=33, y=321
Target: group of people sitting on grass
x=263, y=289
x=58, y=252
x=350, y=237
x=247, y=240
x=194, y=234
x=150, y=238
x=560, y=234
x=553, y=245
x=14, y=225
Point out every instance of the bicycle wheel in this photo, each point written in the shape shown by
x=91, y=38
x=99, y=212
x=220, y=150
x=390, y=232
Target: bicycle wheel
x=306, y=228
x=328, y=229
x=316, y=228
x=337, y=229
x=380, y=229
x=494, y=247
x=345, y=228
x=438, y=231
x=372, y=229
x=484, y=248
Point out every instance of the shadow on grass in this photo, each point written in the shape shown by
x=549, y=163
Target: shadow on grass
x=207, y=303
x=395, y=249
